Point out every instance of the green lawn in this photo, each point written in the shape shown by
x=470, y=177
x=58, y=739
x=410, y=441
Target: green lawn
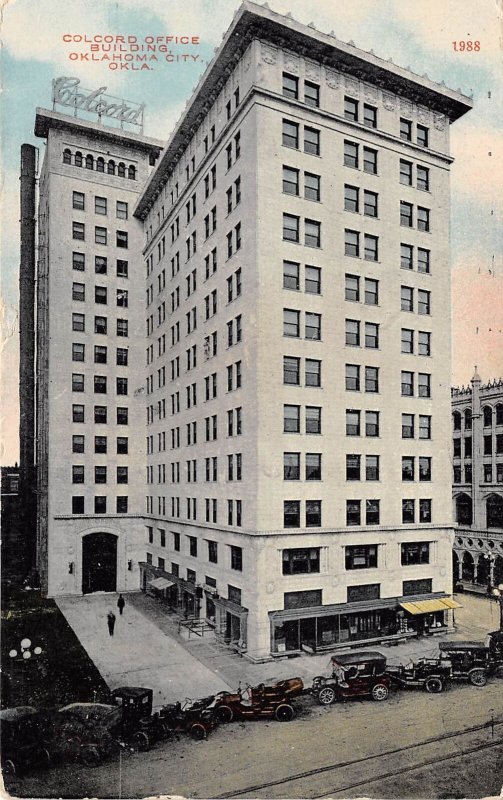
x=62, y=673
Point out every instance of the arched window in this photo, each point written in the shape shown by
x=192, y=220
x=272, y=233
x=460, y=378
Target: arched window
x=78, y=159
x=100, y=164
x=121, y=170
x=488, y=416
x=131, y=173
x=89, y=162
x=499, y=414
x=111, y=167
x=468, y=419
x=456, y=420
x=494, y=508
x=464, y=509
x=67, y=156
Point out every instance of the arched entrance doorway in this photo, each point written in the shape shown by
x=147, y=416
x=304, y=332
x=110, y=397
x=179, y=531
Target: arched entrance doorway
x=99, y=563
x=468, y=567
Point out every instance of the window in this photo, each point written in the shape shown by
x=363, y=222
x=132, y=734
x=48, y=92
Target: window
x=192, y=545
x=290, y=228
x=291, y=466
x=77, y=382
x=77, y=505
x=122, y=475
x=301, y=561
x=352, y=378
x=422, y=136
x=406, y=298
x=415, y=553
x=372, y=512
x=407, y=426
x=425, y=510
x=311, y=94
x=424, y=384
x=352, y=288
x=406, y=172
x=122, y=239
x=407, y=384
x=100, y=325
x=352, y=423
x=290, y=134
x=351, y=243
x=372, y=379
x=312, y=186
x=371, y=423
x=353, y=512
x=408, y=468
x=290, y=180
x=369, y=116
x=313, y=280
x=313, y=513
x=290, y=86
x=78, y=444
x=100, y=474
x=78, y=261
x=370, y=200
x=407, y=341
x=122, y=445
x=353, y=462
x=312, y=233
x=351, y=198
x=100, y=505
x=408, y=511
x=291, y=514
x=370, y=160
x=406, y=214
x=122, y=416
x=313, y=326
x=100, y=235
x=100, y=414
x=78, y=352
x=406, y=256
x=371, y=252
x=405, y=129
x=78, y=201
x=313, y=466
x=361, y=556
x=423, y=178
x=351, y=109
x=236, y=558
x=313, y=419
x=313, y=372
x=425, y=468
x=100, y=205
x=122, y=269
x=350, y=154
x=100, y=294
x=291, y=370
x=122, y=298
x=424, y=343
x=122, y=327
x=423, y=260
x=423, y=302
x=423, y=219
x=100, y=384
x=78, y=231
x=371, y=335
x=311, y=141
x=121, y=210
x=122, y=385
x=291, y=419
x=291, y=323
x=77, y=474
x=424, y=426
x=372, y=468
x=100, y=265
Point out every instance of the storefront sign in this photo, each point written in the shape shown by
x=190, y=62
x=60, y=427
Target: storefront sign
x=68, y=92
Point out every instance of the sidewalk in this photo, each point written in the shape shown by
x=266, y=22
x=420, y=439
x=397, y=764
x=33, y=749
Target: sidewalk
x=148, y=650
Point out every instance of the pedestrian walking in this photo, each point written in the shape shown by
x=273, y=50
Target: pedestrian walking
x=120, y=604
x=111, y=622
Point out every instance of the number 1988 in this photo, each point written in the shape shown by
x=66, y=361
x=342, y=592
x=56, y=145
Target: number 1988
x=466, y=45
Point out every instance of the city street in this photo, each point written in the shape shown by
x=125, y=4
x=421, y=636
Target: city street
x=414, y=745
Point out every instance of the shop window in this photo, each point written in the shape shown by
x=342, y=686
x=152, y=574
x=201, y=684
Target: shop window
x=415, y=553
x=301, y=561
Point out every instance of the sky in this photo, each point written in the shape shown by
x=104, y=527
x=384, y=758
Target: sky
x=414, y=33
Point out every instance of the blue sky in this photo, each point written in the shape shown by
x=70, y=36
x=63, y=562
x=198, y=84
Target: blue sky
x=415, y=34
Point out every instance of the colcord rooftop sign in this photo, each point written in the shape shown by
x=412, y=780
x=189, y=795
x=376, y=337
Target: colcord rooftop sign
x=68, y=92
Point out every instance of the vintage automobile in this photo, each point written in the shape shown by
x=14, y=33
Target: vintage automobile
x=138, y=726
x=22, y=740
x=430, y=674
x=470, y=661
x=194, y=717
x=258, y=702
x=85, y=732
x=358, y=674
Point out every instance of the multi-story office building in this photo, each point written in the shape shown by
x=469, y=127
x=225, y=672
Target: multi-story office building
x=298, y=344
x=90, y=328
x=477, y=421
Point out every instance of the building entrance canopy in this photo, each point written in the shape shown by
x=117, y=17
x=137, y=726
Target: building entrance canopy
x=428, y=606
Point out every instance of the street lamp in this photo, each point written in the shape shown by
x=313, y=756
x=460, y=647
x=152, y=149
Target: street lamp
x=25, y=651
x=22, y=655
x=498, y=594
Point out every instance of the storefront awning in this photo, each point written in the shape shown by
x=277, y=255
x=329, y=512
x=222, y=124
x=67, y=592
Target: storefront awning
x=428, y=606
x=161, y=583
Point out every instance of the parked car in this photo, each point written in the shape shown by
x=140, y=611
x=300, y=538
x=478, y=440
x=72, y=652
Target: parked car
x=470, y=661
x=22, y=731
x=258, y=702
x=430, y=674
x=194, y=717
x=357, y=674
x=85, y=732
x=138, y=726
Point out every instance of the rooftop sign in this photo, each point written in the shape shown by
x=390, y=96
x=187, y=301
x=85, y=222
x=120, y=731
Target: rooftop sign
x=69, y=93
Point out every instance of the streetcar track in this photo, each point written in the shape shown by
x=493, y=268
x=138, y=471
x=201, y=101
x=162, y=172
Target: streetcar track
x=395, y=751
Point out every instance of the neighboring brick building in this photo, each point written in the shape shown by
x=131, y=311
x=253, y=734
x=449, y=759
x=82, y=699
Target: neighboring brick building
x=477, y=419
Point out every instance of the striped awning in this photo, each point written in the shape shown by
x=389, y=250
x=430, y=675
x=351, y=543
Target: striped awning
x=428, y=606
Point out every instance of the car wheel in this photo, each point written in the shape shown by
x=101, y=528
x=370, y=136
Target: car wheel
x=284, y=713
x=478, y=677
x=141, y=741
x=434, y=685
x=8, y=767
x=223, y=714
x=90, y=756
x=380, y=692
x=326, y=696
x=165, y=731
x=198, y=731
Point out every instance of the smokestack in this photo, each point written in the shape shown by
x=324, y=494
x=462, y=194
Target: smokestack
x=27, y=482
